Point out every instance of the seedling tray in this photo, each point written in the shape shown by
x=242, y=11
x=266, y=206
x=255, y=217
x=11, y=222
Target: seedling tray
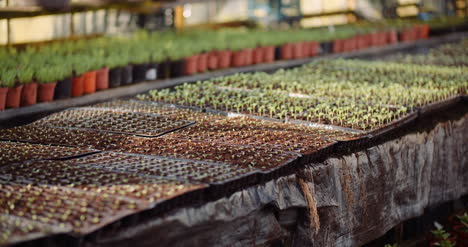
x=113, y=121
x=143, y=189
x=15, y=230
x=165, y=110
x=65, y=208
x=182, y=170
x=35, y=133
x=11, y=152
x=243, y=155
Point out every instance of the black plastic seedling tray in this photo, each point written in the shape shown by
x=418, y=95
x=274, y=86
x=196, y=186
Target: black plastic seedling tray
x=114, y=121
x=182, y=170
x=11, y=152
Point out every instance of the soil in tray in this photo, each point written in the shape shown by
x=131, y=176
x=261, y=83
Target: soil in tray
x=250, y=156
x=242, y=134
x=114, y=121
x=11, y=152
x=65, y=208
x=85, y=176
x=69, y=137
x=179, y=169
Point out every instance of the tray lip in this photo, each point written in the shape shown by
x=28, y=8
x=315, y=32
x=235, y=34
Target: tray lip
x=439, y=105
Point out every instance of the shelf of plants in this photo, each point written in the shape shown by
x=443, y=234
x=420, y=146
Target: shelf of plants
x=74, y=68
x=291, y=118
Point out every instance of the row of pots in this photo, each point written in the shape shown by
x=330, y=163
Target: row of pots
x=104, y=78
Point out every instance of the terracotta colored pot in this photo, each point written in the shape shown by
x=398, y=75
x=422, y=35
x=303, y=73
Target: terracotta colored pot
x=286, y=51
x=296, y=50
x=29, y=94
x=224, y=59
x=102, y=79
x=13, y=99
x=213, y=60
x=314, y=48
x=77, y=86
x=338, y=46
x=46, y=92
x=268, y=54
x=191, y=65
x=202, y=64
x=424, y=31
x=248, y=56
x=258, y=55
x=392, y=37
x=89, y=82
x=3, y=96
x=238, y=58
x=361, y=42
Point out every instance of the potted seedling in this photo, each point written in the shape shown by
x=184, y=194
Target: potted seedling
x=139, y=60
x=102, y=74
x=64, y=70
x=5, y=84
x=8, y=79
x=156, y=58
x=80, y=67
x=47, y=78
x=29, y=92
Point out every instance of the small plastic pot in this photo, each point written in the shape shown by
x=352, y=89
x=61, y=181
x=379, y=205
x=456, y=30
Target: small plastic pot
x=268, y=54
x=191, y=65
x=139, y=72
x=224, y=59
x=314, y=48
x=29, y=94
x=151, y=72
x=3, y=96
x=126, y=75
x=89, y=82
x=258, y=56
x=238, y=58
x=115, y=77
x=164, y=69
x=63, y=89
x=13, y=99
x=296, y=50
x=212, y=63
x=392, y=37
x=46, y=92
x=102, y=79
x=178, y=68
x=326, y=47
x=338, y=46
x=77, y=86
x=287, y=51
x=248, y=60
x=202, y=63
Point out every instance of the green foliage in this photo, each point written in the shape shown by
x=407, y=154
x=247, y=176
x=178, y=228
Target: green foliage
x=25, y=75
x=7, y=78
